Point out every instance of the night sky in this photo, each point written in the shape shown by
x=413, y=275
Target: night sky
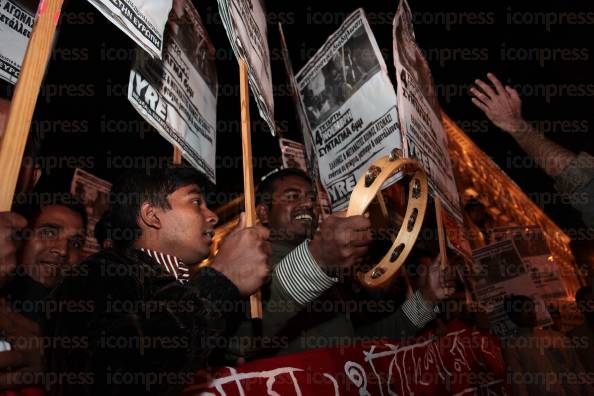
x=545, y=48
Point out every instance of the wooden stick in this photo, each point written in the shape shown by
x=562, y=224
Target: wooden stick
x=177, y=156
x=25, y=96
x=440, y=234
x=382, y=204
x=384, y=210
x=248, y=176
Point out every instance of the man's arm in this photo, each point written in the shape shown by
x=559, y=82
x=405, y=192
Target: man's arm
x=296, y=281
x=314, y=266
x=420, y=308
x=503, y=106
x=573, y=174
x=410, y=318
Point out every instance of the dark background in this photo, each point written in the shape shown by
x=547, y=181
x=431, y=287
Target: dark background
x=87, y=79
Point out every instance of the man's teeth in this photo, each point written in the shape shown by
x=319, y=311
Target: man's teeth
x=303, y=217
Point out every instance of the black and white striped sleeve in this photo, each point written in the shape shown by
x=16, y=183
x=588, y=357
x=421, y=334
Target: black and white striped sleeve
x=418, y=311
x=301, y=277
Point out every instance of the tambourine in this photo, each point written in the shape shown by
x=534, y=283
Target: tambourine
x=367, y=188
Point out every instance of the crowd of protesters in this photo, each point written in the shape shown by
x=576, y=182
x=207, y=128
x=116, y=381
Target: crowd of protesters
x=140, y=308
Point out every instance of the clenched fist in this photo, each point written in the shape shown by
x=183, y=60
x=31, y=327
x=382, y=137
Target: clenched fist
x=341, y=242
x=243, y=257
x=437, y=283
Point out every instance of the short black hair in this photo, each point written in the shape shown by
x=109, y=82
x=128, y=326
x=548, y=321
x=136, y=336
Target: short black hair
x=266, y=186
x=102, y=230
x=413, y=261
x=515, y=305
x=135, y=187
x=582, y=293
x=32, y=207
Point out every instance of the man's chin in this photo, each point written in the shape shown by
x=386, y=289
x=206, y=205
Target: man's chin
x=302, y=234
x=198, y=257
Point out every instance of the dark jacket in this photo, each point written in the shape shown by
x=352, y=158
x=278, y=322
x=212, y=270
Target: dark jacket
x=123, y=326
x=27, y=297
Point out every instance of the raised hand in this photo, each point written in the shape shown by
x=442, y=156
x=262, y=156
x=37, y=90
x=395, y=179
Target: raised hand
x=502, y=105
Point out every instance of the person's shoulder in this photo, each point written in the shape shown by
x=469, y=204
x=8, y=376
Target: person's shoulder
x=107, y=271
x=96, y=264
x=549, y=333
x=579, y=331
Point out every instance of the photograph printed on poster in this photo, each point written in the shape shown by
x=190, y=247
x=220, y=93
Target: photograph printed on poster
x=340, y=77
x=415, y=64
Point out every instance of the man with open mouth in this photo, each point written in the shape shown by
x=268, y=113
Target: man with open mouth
x=306, y=304
x=145, y=322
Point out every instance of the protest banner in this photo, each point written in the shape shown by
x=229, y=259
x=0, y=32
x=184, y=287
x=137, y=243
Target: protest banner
x=245, y=24
x=16, y=24
x=142, y=20
x=178, y=94
x=93, y=193
x=532, y=246
x=460, y=362
x=498, y=270
x=350, y=106
x=420, y=115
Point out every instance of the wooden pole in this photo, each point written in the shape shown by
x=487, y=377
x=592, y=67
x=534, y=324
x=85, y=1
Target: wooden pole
x=384, y=210
x=25, y=96
x=248, y=176
x=177, y=156
x=440, y=234
x=382, y=205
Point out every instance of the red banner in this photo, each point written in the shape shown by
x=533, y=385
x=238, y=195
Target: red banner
x=459, y=362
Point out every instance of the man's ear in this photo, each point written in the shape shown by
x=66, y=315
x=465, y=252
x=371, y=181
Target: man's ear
x=149, y=216
x=262, y=212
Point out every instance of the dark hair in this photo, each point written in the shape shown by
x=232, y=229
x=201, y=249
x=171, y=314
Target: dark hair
x=413, y=261
x=135, y=187
x=102, y=229
x=515, y=305
x=36, y=202
x=266, y=187
x=582, y=293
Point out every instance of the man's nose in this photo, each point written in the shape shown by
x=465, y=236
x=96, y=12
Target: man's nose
x=60, y=247
x=308, y=200
x=211, y=217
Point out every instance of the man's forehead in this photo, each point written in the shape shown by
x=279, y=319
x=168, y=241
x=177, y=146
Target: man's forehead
x=188, y=190
x=292, y=183
x=59, y=215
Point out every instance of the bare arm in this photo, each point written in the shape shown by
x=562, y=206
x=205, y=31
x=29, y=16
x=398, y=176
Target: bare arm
x=503, y=106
